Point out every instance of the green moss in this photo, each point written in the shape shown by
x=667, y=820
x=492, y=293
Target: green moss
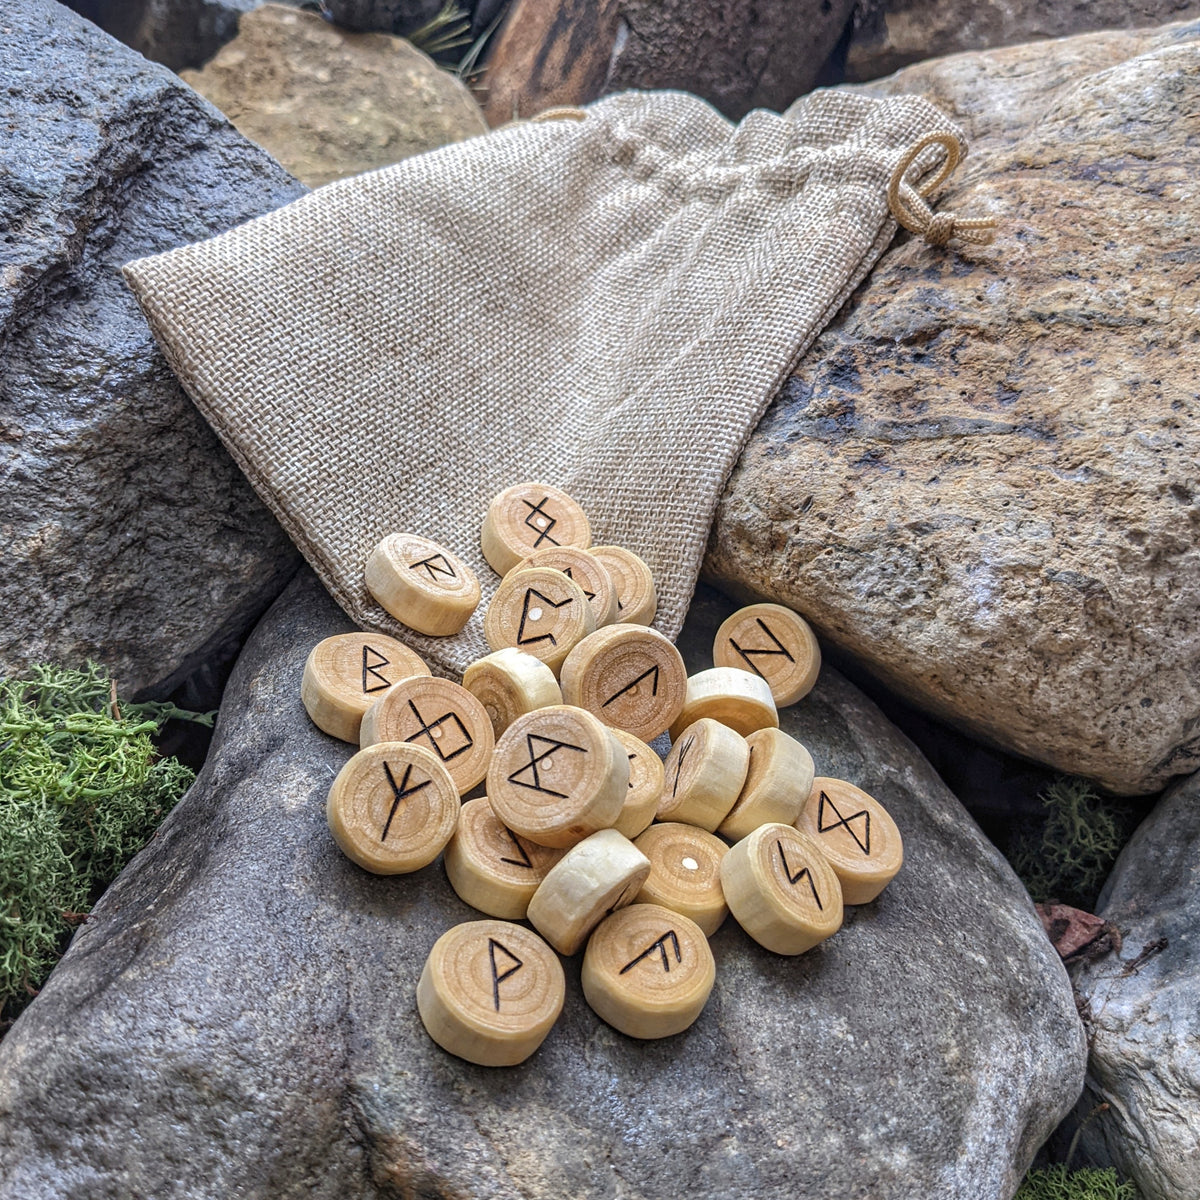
x=82, y=789
x=1089, y=1183
x=1068, y=856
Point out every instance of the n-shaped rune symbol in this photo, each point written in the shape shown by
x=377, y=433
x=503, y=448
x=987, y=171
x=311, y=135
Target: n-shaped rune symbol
x=400, y=793
x=761, y=652
x=540, y=521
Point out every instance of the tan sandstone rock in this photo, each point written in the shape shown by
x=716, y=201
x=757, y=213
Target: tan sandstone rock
x=328, y=103
x=982, y=480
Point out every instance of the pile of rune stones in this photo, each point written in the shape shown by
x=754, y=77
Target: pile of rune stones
x=584, y=831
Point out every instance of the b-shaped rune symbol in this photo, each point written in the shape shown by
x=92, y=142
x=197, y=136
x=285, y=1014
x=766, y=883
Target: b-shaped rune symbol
x=799, y=875
x=683, y=753
x=761, y=651
x=524, y=860
x=498, y=976
x=541, y=522
x=432, y=731
x=652, y=672
x=522, y=640
x=530, y=769
x=370, y=670
x=435, y=565
x=661, y=947
x=864, y=842
x=399, y=793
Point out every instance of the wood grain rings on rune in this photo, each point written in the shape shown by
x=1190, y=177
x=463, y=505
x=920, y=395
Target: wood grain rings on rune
x=345, y=674
x=587, y=571
x=782, y=890
x=541, y=612
x=558, y=775
x=648, y=971
x=703, y=774
x=440, y=716
x=857, y=835
x=490, y=992
x=528, y=517
x=775, y=643
x=685, y=872
x=392, y=808
x=735, y=698
x=422, y=584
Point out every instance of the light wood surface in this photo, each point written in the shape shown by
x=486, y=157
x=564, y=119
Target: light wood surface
x=777, y=784
x=558, y=775
x=648, y=971
x=637, y=599
x=857, y=835
x=347, y=673
x=703, y=774
x=645, y=785
x=592, y=880
x=629, y=676
x=775, y=643
x=422, y=584
x=781, y=889
x=490, y=992
x=528, y=517
x=735, y=698
x=541, y=612
x=587, y=571
x=490, y=867
x=392, y=808
x=685, y=873
x=509, y=683
x=440, y=716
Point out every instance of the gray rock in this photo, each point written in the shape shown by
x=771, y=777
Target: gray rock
x=1141, y=1009
x=238, y=1015
x=981, y=479
x=129, y=534
x=176, y=33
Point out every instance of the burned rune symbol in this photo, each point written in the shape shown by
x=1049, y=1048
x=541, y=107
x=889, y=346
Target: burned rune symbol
x=747, y=652
x=433, y=731
x=661, y=947
x=435, y=565
x=522, y=640
x=653, y=671
x=799, y=875
x=683, y=753
x=620, y=900
x=400, y=793
x=536, y=760
x=524, y=860
x=864, y=842
x=631, y=758
x=498, y=976
x=541, y=522
x=370, y=670
x=589, y=595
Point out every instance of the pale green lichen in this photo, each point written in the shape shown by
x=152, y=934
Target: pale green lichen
x=1088, y=1183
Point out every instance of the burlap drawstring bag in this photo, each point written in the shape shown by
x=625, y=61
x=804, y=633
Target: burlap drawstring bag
x=605, y=304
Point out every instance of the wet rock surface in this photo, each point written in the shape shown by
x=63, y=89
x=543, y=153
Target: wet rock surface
x=238, y=1015
x=980, y=482
x=129, y=534
x=327, y=103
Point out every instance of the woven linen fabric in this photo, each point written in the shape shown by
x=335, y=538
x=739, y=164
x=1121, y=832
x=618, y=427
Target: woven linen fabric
x=605, y=304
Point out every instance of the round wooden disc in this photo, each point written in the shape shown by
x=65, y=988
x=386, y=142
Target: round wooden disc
x=857, y=835
x=392, y=808
x=685, y=873
x=648, y=971
x=422, y=584
x=777, y=784
x=440, y=716
x=703, y=774
x=586, y=570
x=645, y=785
x=630, y=677
x=529, y=517
x=541, y=612
x=593, y=879
x=735, y=698
x=776, y=644
x=557, y=775
x=510, y=683
x=782, y=889
x=637, y=601
x=490, y=992
x=345, y=674
x=490, y=867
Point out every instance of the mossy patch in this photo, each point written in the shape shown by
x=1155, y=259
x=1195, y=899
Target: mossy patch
x=82, y=789
x=1088, y=1183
